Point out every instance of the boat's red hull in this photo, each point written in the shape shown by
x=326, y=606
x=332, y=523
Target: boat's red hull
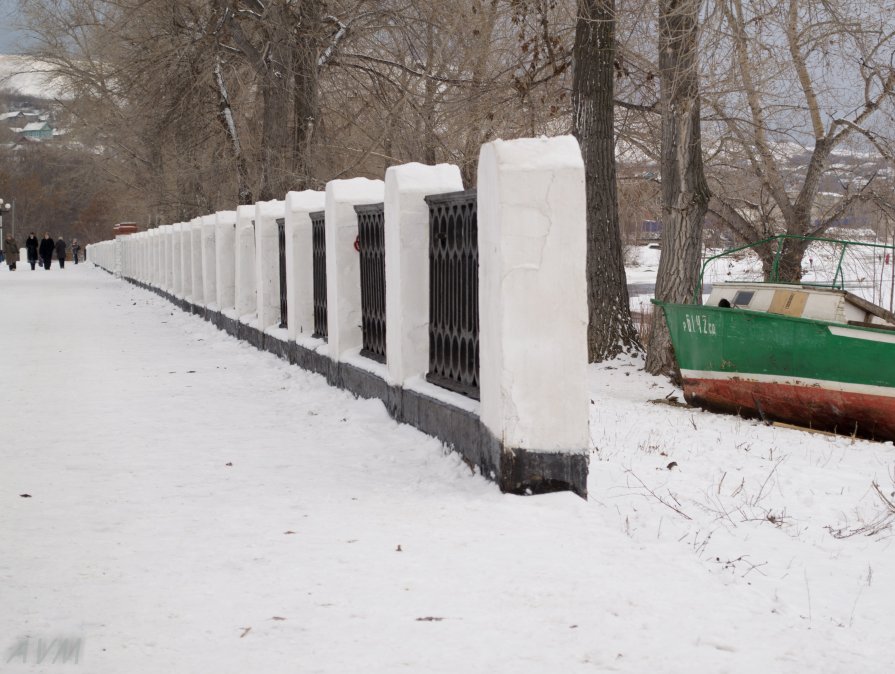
x=812, y=406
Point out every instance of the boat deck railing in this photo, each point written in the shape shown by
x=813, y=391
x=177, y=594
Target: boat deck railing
x=838, y=281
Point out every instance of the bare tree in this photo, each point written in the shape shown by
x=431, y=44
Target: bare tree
x=809, y=75
x=610, y=330
x=685, y=192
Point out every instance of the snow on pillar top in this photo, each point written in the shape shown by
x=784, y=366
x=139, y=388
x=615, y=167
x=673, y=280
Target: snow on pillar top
x=306, y=201
x=533, y=293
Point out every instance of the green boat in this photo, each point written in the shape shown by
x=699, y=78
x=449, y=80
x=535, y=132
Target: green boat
x=812, y=353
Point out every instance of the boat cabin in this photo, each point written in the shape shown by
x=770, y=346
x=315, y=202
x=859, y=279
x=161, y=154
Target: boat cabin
x=801, y=301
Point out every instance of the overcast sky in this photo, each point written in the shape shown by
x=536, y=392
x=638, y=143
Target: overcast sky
x=9, y=36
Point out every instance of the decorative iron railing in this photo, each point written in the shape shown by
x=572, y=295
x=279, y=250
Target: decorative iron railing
x=371, y=246
x=454, y=292
x=857, y=266
x=281, y=237
x=318, y=252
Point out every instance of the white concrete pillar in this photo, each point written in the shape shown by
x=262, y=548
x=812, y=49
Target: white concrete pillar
x=225, y=260
x=186, y=260
x=245, y=263
x=136, y=254
x=167, y=280
x=177, y=259
x=141, y=256
x=160, y=252
x=158, y=269
x=118, y=255
x=407, y=267
x=299, y=261
x=533, y=294
x=209, y=261
x=343, y=261
x=267, y=262
x=150, y=257
x=196, y=240
x=144, y=256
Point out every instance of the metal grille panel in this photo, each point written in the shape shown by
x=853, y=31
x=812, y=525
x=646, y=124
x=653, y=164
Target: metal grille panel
x=318, y=247
x=371, y=246
x=281, y=237
x=454, y=292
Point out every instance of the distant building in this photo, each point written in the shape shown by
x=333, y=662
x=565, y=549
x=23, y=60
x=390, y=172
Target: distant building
x=38, y=130
x=12, y=117
x=650, y=230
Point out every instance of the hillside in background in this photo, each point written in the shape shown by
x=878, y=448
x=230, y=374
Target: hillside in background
x=27, y=77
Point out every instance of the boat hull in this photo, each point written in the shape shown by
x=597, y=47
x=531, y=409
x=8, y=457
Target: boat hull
x=812, y=373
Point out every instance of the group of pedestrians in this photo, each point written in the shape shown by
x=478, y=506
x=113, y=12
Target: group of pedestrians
x=40, y=251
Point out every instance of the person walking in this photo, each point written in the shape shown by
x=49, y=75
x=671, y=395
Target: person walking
x=31, y=246
x=11, y=252
x=60, y=252
x=47, y=246
x=75, y=249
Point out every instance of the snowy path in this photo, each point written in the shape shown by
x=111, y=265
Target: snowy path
x=348, y=543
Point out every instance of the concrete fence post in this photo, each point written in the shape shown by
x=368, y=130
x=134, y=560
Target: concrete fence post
x=343, y=261
x=267, y=262
x=169, y=258
x=407, y=263
x=144, y=256
x=245, y=263
x=133, y=246
x=299, y=262
x=198, y=296
x=209, y=261
x=168, y=273
x=533, y=310
x=177, y=258
x=225, y=260
x=186, y=260
x=162, y=265
x=118, y=255
x=154, y=257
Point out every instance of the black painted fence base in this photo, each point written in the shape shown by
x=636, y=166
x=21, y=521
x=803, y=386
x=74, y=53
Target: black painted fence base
x=516, y=471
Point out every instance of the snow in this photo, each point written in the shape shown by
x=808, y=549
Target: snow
x=538, y=154
x=30, y=77
x=340, y=541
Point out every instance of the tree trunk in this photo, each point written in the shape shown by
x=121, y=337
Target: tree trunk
x=789, y=262
x=276, y=79
x=610, y=329
x=685, y=193
x=429, y=139
x=228, y=122
x=305, y=110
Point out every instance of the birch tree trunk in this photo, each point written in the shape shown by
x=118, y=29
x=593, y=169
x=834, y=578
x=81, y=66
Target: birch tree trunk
x=610, y=329
x=685, y=193
x=228, y=121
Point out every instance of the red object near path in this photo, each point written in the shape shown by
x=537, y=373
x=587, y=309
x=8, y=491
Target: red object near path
x=125, y=228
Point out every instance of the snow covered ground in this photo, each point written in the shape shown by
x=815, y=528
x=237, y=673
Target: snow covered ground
x=197, y=506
